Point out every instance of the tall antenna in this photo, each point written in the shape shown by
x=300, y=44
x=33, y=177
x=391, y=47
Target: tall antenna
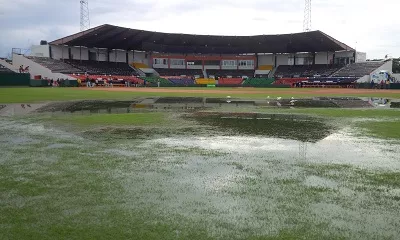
x=85, y=20
x=307, y=16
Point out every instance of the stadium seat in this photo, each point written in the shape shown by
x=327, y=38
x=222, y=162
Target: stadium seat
x=154, y=81
x=205, y=81
x=358, y=69
x=265, y=67
x=230, y=81
x=179, y=72
x=295, y=71
x=54, y=65
x=230, y=73
x=99, y=67
x=257, y=82
x=139, y=65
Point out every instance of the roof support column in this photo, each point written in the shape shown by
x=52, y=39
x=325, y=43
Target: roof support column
x=108, y=55
x=80, y=54
x=313, y=61
x=256, y=63
x=294, y=59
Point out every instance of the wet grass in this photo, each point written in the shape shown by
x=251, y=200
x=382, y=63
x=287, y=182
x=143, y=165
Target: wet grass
x=131, y=119
x=383, y=129
x=119, y=182
x=31, y=95
x=341, y=113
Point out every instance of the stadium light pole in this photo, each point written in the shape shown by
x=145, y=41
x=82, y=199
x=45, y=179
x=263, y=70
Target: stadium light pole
x=307, y=16
x=85, y=20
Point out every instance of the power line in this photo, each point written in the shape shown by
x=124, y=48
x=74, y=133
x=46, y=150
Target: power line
x=85, y=20
x=307, y=16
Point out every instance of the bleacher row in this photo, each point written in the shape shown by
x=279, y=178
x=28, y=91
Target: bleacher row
x=284, y=75
x=232, y=82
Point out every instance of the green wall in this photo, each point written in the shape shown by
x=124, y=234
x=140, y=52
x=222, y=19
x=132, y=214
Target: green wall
x=14, y=79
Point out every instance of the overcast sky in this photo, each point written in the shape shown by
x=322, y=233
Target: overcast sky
x=368, y=25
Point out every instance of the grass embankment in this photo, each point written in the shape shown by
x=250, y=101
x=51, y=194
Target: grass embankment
x=31, y=95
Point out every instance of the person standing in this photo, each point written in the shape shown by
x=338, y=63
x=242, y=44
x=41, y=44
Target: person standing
x=87, y=82
x=387, y=84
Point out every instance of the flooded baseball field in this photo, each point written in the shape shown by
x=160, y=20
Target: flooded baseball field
x=213, y=176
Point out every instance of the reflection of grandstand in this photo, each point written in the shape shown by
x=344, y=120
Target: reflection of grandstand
x=184, y=59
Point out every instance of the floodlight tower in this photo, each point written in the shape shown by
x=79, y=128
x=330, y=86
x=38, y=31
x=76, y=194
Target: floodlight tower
x=307, y=16
x=85, y=20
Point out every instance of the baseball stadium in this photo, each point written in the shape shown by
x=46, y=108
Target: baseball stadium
x=121, y=133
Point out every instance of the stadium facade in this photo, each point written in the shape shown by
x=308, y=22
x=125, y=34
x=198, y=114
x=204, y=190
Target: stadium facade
x=148, y=53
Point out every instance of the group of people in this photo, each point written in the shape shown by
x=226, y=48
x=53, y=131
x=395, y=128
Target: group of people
x=108, y=82
x=56, y=83
x=380, y=85
x=23, y=70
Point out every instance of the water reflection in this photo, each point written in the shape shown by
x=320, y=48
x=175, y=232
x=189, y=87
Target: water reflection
x=271, y=125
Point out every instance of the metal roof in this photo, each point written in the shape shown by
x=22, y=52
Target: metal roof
x=114, y=37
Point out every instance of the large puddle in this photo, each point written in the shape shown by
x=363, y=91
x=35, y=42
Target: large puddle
x=258, y=177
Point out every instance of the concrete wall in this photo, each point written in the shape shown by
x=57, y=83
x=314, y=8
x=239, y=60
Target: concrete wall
x=282, y=59
x=364, y=79
x=140, y=57
x=388, y=66
x=130, y=57
x=40, y=51
x=102, y=56
x=194, y=67
x=79, y=54
x=396, y=76
x=9, y=66
x=118, y=56
x=266, y=59
x=58, y=52
x=37, y=69
x=361, y=57
x=344, y=54
x=323, y=58
x=212, y=67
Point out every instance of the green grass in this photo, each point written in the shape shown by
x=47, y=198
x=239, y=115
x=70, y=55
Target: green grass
x=345, y=113
x=385, y=130
x=30, y=95
x=136, y=119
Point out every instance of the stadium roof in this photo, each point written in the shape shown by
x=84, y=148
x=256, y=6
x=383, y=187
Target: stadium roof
x=114, y=37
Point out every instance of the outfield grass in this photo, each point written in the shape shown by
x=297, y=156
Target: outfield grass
x=385, y=129
x=342, y=113
x=30, y=95
x=130, y=119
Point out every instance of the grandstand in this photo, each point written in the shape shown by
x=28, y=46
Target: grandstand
x=55, y=65
x=107, y=68
x=358, y=69
x=4, y=69
x=185, y=59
